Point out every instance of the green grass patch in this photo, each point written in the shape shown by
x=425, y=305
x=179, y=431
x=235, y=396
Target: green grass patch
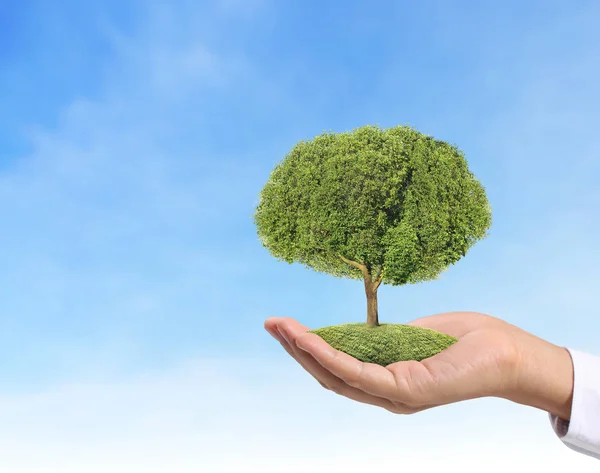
x=385, y=344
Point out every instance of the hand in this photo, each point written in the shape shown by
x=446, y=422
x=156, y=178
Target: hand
x=491, y=358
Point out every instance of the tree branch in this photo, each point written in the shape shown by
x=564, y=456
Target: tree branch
x=379, y=278
x=362, y=267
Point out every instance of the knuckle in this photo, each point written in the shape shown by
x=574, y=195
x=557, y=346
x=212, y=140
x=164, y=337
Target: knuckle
x=411, y=410
x=404, y=393
x=357, y=384
x=414, y=387
x=337, y=388
x=403, y=409
x=358, y=381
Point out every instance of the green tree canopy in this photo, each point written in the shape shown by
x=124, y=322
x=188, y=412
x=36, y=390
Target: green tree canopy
x=400, y=204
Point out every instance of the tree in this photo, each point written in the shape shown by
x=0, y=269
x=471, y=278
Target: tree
x=389, y=206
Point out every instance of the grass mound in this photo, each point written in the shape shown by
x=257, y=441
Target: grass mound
x=385, y=344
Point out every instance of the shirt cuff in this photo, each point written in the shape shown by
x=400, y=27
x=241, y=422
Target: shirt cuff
x=582, y=432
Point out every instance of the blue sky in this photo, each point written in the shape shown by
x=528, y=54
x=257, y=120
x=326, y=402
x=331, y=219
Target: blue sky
x=134, y=140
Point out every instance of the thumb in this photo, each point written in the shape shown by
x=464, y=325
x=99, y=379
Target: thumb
x=447, y=323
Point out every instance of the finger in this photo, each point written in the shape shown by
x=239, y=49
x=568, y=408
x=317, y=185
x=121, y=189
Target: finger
x=289, y=330
x=333, y=385
x=271, y=324
x=400, y=408
x=276, y=328
x=271, y=327
x=368, y=377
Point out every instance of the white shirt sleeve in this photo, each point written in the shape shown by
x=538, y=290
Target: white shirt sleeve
x=582, y=432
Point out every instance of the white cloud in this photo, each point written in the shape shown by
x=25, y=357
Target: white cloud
x=260, y=415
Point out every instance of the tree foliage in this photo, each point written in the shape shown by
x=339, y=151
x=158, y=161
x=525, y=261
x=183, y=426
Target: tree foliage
x=394, y=200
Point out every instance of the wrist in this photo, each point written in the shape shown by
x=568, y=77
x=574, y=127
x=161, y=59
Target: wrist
x=545, y=379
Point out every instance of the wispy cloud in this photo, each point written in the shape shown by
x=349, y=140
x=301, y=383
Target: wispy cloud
x=132, y=285
x=113, y=223
x=257, y=415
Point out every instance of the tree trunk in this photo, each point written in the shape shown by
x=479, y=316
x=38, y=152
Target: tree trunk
x=372, y=310
x=371, y=286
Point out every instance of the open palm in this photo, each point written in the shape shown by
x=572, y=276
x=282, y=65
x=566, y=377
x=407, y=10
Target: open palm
x=484, y=362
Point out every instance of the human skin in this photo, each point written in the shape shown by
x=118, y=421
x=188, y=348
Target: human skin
x=492, y=358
